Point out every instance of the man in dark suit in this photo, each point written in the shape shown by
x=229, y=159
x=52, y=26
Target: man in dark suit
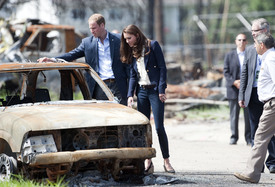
x=233, y=62
x=101, y=52
x=248, y=96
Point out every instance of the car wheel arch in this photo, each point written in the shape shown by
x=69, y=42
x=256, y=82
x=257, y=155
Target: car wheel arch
x=6, y=148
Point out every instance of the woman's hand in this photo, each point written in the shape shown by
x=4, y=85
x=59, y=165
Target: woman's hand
x=130, y=102
x=162, y=97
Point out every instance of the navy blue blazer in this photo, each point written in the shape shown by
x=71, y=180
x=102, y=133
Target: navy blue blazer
x=155, y=67
x=231, y=73
x=89, y=49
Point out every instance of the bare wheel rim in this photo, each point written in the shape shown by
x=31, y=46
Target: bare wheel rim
x=6, y=167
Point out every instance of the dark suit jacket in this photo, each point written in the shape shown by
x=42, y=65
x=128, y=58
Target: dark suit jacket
x=248, y=74
x=89, y=49
x=231, y=73
x=155, y=67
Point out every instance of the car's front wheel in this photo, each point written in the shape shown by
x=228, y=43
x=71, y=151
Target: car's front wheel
x=8, y=166
x=121, y=168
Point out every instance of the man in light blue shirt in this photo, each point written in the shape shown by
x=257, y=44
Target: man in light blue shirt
x=101, y=52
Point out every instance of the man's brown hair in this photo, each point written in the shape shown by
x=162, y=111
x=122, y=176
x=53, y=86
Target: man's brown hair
x=98, y=18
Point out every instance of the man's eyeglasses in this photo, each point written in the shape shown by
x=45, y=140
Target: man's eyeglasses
x=242, y=40
x=256, y=30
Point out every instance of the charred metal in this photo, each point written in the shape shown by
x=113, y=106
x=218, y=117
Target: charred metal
x=45, y=131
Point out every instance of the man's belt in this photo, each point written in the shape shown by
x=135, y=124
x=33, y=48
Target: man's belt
x=148, y=86
x=109, y=80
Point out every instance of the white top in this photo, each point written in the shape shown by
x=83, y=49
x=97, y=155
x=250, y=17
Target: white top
x=105, y=70
x=241, y=58
x=266, y=82
x=143, y=76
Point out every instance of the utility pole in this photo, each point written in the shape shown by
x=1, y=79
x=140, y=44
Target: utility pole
x=224, y=20
x=158, y=12
x=151, y=17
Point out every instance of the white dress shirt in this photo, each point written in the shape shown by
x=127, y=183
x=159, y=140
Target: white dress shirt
x=266, y=82
x=241, y=58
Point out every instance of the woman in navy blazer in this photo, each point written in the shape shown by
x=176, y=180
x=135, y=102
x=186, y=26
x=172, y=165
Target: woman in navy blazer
x=148, y=78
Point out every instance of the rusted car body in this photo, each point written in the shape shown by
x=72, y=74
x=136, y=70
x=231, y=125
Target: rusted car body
x=49, y=133
x=38, y=39
x=45, y=40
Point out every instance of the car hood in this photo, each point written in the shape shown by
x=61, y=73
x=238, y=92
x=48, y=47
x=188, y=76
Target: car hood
x=15, y=121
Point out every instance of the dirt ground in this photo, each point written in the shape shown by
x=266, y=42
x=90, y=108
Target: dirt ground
x=201, y=155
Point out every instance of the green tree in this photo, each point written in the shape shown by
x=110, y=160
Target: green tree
x=256, y=5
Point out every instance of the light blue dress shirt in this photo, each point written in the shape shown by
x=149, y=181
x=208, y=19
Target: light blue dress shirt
x=105, y=61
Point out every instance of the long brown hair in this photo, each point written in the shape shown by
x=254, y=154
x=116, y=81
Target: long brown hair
x=126, y=52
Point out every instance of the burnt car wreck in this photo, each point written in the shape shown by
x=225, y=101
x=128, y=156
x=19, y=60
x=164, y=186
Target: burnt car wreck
x=28, y=40
x=52, y=126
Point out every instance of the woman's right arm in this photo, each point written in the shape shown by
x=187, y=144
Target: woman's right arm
x=132, y=81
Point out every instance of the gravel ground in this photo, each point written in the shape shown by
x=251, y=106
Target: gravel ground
x=200, y=154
